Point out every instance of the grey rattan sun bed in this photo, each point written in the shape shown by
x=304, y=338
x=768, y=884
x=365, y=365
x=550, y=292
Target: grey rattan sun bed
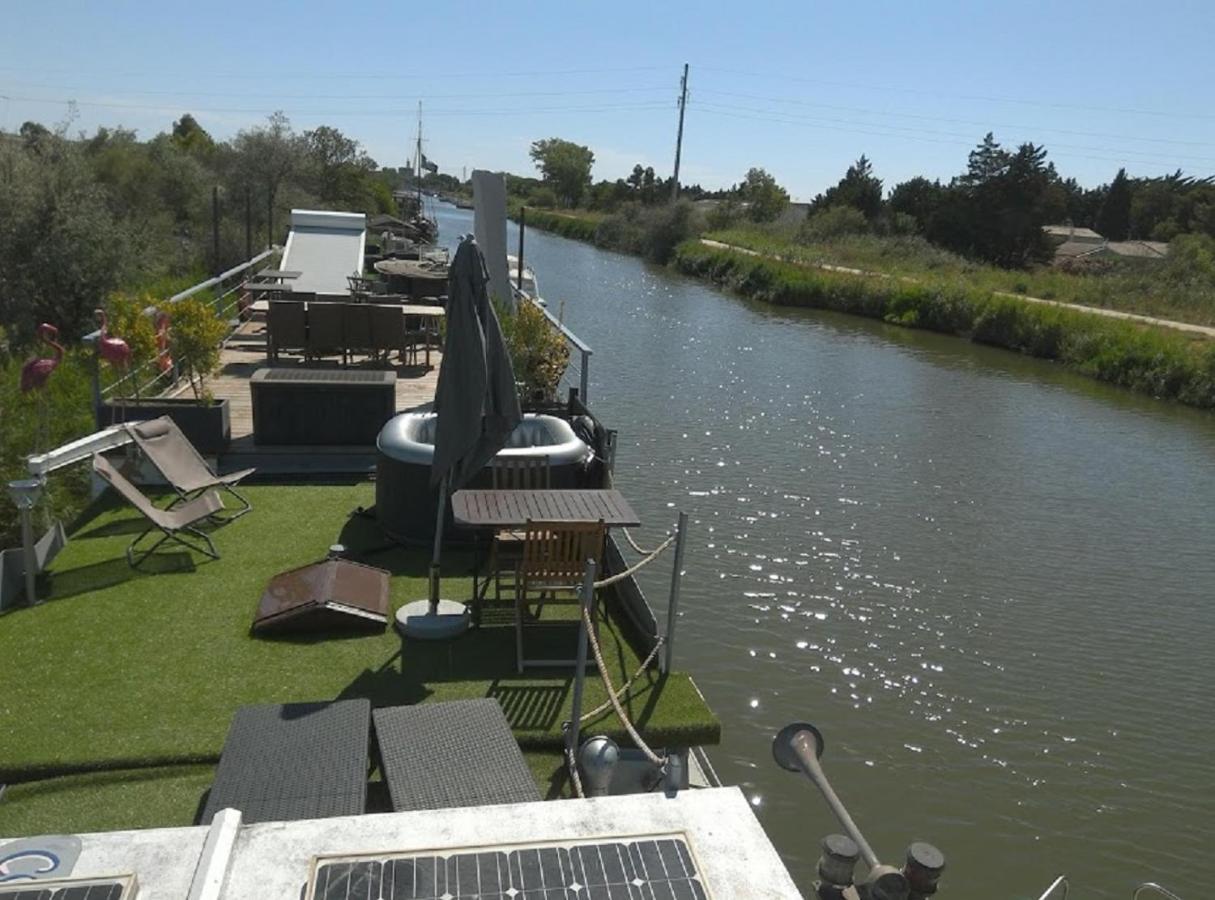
x=457, y=753
x=282, y=762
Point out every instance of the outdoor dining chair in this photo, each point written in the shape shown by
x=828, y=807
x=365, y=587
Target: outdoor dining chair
x=551, y=570
x=356, y=330
x=174, y=523
x=325, y=330
x=527, y=473
x=171, y=452
x=286, y=327
x=387, y=329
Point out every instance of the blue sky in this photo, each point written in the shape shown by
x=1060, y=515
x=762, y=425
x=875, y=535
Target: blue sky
x=801, y=89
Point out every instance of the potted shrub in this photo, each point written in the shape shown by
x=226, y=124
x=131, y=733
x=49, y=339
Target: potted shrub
x=194, y=337
x=538, y=353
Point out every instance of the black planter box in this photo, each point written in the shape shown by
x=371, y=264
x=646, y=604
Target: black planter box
x=208, y=427
x=321, y=406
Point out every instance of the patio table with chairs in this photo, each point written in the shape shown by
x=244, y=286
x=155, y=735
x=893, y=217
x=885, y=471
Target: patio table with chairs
x=542, y=539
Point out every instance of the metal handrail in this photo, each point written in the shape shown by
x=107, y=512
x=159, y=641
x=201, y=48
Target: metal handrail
x=110, y=389
x=1060, y=880
x=584, y=350
x=1153, y=886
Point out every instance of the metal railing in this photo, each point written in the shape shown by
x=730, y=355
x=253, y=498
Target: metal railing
x=1153, y=886
x=1059, y=882
x=577, y=373
x=230, y=284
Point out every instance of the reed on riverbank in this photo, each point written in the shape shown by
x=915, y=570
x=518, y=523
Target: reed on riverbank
x=652, y=231
x=1162, y=363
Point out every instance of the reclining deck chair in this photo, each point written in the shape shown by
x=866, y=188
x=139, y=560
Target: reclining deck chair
x=182, y=466
x=173, y=522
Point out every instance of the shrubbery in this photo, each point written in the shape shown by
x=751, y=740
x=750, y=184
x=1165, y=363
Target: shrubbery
x=1159, y=362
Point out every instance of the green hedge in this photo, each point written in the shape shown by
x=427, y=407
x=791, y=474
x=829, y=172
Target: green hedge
x=567, y=225
x=1156, y=361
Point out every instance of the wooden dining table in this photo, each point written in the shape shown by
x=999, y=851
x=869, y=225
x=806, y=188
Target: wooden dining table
x=510, y=509
x=493, y=510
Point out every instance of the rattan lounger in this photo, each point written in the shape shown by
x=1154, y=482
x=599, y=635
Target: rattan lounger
x=458, y=753
x=173, y=522
x=181, y=464
x=294, y=761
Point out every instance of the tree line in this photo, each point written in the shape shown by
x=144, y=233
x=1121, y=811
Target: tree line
x=83, y=216
x=993, y=211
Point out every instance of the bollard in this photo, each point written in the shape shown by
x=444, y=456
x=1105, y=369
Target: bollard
x=923, y=869
x=836, y=866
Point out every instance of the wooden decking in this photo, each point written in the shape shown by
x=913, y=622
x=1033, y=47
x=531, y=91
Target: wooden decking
x=245, y=353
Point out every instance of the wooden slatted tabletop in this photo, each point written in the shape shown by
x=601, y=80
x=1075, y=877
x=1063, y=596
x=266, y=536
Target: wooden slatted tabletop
x=505, y=509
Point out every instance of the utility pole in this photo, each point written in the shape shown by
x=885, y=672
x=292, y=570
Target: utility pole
x=683, y=103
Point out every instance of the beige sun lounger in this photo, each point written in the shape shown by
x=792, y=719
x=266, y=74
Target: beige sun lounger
x=173, y=522
x=182, y=466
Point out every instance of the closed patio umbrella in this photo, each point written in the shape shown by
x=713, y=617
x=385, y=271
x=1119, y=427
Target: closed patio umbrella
x=477, y=405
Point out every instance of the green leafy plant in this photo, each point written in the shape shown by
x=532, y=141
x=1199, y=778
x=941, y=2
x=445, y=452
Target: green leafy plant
x=194, y=338
x=128, y=320
x=538, y=351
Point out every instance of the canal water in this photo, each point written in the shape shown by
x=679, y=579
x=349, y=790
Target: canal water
x=991, y=584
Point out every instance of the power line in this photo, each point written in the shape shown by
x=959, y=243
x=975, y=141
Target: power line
x=979, y=97
x=375, y=113
x=395, y=75
x=910, y=137
x=392, y=96
x=920, y=131
x=982, y=124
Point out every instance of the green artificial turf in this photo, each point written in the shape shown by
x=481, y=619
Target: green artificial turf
x=121, y=670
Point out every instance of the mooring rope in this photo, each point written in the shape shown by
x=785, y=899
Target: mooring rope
x=632, y=543
x=572, y=764
x=633, y=569
x=615, y=701
x=602, y=707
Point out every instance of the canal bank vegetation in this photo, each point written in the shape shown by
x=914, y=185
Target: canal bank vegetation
x=1163, y=363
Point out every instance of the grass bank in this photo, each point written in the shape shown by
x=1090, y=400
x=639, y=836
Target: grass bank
x=1181, y=287
x=1156, y=361
x=580, y=226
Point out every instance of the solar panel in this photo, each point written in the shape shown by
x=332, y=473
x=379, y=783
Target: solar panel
x=641, y=868
x=120, y=887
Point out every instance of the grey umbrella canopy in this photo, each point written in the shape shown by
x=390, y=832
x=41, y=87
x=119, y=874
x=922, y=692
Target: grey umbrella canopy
x=476, y=399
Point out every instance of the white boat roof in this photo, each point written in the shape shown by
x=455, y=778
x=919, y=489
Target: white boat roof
x=325, y=247
x=227, y=860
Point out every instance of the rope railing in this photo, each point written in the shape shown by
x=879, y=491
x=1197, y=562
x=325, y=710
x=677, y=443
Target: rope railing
x=614, y=695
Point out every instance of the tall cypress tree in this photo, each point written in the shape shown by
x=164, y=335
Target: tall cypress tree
x=1114, y=219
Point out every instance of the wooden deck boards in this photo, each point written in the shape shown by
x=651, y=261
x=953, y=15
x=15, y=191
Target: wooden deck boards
x=245, y=353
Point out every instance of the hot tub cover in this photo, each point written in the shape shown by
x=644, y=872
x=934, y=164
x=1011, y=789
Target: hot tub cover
x=409, y=438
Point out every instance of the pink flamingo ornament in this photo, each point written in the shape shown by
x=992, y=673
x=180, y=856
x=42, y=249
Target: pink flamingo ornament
x=37, y=372
x=164, y=360
x=113, y=350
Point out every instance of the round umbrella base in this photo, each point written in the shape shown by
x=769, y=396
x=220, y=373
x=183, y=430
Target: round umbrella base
x=415, y=620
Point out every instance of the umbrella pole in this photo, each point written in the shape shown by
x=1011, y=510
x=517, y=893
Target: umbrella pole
x=440, y=520
x=432, y=618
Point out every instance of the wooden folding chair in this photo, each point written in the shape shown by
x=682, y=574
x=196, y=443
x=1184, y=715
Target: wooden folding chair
x=552, y=569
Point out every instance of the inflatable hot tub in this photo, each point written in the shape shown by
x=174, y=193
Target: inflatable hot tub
x=404, y=499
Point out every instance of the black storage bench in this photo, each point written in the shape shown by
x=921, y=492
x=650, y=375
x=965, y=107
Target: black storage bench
x=321, y=406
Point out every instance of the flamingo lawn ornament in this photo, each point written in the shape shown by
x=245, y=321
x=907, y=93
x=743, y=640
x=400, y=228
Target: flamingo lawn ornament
x=164, y=360
x=37, y=372
x=113, y=350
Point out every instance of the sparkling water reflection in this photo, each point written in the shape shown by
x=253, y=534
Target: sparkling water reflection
x=987, y=581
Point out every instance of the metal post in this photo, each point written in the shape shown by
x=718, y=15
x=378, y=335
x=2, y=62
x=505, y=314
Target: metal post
x=269, y=219
x=522, y=228
x=215, y=228
x=585, y=379
x=24, y=494
x=673, y=606
x=587, y=606
x=248, y=224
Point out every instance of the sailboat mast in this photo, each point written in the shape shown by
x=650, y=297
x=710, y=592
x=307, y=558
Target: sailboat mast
x=418, y=170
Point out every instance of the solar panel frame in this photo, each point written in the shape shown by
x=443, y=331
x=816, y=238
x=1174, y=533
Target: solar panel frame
x=636, y=867
x=110, y=887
